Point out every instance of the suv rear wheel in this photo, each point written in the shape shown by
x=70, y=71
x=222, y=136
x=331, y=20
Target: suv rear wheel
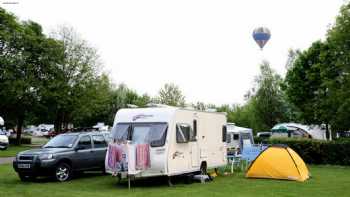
x=63, y=172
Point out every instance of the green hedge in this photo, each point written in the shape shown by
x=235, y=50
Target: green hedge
x=335, y=152
x=24, y=140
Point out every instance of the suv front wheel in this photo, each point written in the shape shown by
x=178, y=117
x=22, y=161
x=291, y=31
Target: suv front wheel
x=63, y=172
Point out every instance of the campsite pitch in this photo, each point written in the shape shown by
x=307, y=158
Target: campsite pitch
x=326, y=181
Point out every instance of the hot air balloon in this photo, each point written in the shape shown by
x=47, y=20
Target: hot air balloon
x=261, y=35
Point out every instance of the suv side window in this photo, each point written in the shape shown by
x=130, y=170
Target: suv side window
x=85, y=142
x=108, y=137
x=99, y=141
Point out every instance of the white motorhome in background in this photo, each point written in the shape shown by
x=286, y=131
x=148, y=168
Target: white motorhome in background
x=4, y=141
x=237, y=137
x=299, y=130
x=2, y=122
x=181, y=140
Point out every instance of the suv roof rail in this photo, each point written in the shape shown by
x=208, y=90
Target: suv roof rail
x=84, y=129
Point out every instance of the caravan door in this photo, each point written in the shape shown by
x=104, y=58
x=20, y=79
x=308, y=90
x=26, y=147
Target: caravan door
x=194, y=146
x=195, y=154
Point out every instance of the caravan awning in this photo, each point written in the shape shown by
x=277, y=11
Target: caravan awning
x=280, y=128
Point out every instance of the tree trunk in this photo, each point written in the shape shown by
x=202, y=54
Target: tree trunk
x=20, y=120
x=327, y=132
x=58, y=122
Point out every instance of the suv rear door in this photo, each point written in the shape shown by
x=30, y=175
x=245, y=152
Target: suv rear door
x=100, y=148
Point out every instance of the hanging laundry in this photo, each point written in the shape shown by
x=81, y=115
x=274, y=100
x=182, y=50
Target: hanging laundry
x=143, y=160
x=114, y=158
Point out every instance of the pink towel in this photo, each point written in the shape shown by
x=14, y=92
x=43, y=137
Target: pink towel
x=114, y=155
x=143, y=157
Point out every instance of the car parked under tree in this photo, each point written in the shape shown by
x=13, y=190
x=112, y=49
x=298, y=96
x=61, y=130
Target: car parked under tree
x=63, y=155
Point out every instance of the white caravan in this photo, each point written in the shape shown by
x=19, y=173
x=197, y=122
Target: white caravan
x=181, y=141
x=237, y=137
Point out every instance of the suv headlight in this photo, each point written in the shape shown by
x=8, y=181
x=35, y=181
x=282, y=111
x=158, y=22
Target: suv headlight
x=45, y=156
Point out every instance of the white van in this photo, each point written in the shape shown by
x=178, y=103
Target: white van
x=181, y=141
x=4, y=141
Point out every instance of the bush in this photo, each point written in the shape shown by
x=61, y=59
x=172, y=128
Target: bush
x=24, y=140
x=316, y=151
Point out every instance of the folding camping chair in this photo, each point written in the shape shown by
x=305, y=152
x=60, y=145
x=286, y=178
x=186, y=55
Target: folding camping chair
x=234, y=160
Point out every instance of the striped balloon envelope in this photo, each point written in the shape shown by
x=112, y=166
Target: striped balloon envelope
x=261, y=35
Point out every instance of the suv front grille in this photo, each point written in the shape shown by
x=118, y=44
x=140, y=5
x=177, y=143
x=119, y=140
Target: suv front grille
x=26, y=157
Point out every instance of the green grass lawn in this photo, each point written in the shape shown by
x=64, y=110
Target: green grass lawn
x=327, y=181
x=12, y=150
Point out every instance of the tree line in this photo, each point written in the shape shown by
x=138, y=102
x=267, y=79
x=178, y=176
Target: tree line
x=57, y=78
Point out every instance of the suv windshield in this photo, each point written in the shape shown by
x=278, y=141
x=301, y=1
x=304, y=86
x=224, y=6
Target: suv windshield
x=150, y=133
x=61, y=141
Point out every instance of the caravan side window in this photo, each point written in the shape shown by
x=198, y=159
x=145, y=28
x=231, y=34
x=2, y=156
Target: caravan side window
x=183, y=132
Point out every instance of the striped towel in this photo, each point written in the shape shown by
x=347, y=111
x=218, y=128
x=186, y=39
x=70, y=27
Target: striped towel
x=143, y=160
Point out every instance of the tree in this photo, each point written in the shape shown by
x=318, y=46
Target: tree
x=74, y=77
x=265, y=103
x=269, y=105
x=336, y=71
x=27, y=57
x=171, y=94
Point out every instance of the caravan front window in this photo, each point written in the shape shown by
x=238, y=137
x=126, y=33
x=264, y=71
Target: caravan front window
x=120, y=131
x=152, y=133
x=140, y=133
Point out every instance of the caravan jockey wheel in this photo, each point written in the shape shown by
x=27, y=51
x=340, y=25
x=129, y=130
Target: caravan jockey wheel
x=203, y=168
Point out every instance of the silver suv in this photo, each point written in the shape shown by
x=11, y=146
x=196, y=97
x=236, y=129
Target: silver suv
x=63, y=155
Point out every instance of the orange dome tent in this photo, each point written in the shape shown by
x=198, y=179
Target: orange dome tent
x=278, y=162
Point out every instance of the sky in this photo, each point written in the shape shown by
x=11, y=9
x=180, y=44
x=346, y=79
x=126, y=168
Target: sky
x=203, y=46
